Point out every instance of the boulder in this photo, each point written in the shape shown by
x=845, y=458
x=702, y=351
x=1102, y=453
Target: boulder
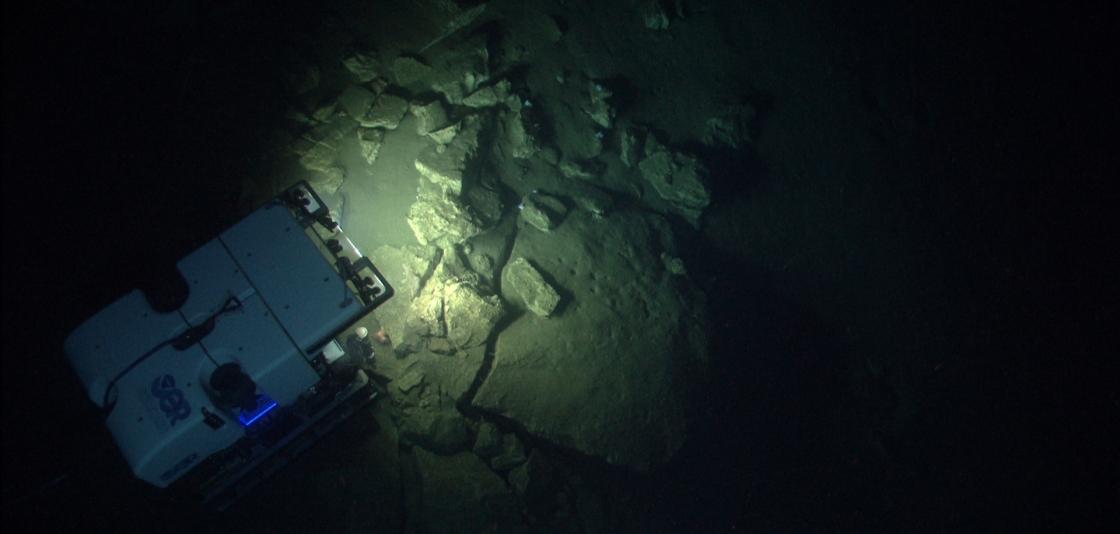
x=429, y=117
x=470, y=316
x=654, y=15
x=489, y=96
x=407, y=268
x=460, y=494
x=630, y=146
x=673, y=264
x=386, y=112
x=438, y=217
x=442, y=431
x=677, y=178
x=302, y=79
x=462, y=69
x=356, y=101
x=452, y=304
x=519, y=278
x=593, y=201
x=407, y=71
x=327, y=181
x=446, y=166
x=585, y=170
x=409, y=380
x=488, y=442
x=444, y=136
x=543, y=212
x=511, y=455
x=532, y=480
x=516, y=138
x=729, y=129
x=597, y=106
x=608, y=377
x=486, y=203
x=369, y=142
x=364, y=66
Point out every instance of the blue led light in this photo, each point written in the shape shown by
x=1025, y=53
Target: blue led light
x=264, y=405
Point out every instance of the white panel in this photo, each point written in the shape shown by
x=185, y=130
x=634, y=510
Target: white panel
x=308, y=297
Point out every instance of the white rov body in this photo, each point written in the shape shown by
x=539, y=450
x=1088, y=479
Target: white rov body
x=268, y=295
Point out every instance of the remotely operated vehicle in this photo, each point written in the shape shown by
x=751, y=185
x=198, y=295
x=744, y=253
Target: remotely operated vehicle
x=215, y=396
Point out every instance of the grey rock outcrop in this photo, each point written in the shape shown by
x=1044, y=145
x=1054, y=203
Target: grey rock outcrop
x=608, y=376
x=521, y=279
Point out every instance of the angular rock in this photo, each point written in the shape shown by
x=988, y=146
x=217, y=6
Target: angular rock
x=446, y=168
x=521, y=279
x=356, y=101
x=516, y=138
x=593, y=201
x=319, y=157
x=386, y=112
x=364, y=66
x=532, y=480
x=444, y=136
x=328, y=181
x=608, y=377
x=406, y=268
x=438, y=218
x=369, y=142
x=452, y=304
x=441, y=431
x=488, y=96
x=470, y=316
x=461, y=70
x=488, y=443
x=429, y=117
x=597, y=107
x=410, y=380
x=512, y=454
x=461, y=494
x=325, y=112
x=303, y=79
x=630, y=146
x=730, y=128
x=654, y=16
x=407, y=71
x=585, y=170
x=486, y=203
x=673, y=264
x=677, y=178
x=543, y=212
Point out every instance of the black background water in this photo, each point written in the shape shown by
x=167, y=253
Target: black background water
x=126, y=134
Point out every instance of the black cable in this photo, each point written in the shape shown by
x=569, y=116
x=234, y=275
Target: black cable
x=180, y=342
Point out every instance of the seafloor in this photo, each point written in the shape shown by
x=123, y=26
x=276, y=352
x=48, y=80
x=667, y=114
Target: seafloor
x=660, y=266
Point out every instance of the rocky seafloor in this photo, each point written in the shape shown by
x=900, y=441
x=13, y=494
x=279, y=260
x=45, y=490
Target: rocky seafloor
x=544, y=328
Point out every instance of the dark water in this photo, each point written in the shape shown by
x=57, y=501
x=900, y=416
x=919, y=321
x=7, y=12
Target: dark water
x=933, y=364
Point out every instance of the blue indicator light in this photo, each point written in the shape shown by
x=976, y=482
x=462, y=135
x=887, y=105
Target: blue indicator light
x=264, y=405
